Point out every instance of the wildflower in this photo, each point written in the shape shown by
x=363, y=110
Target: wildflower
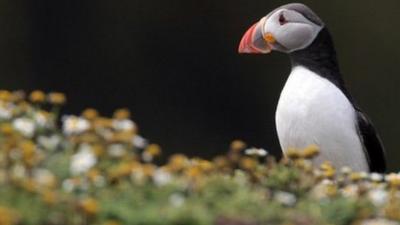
x=121, y=114
x=376, y=177
x=5, y=95
x=292, y=153
x=328, y=170
x=28, y=149
x=258, y=152
x=378, y=196
x=74, y=125
x=25, y=126
x=116, y=150
x=177, y=162
x=37, y=96
x=90, y=114
x=6, y=110
x=161, y=177
x=237, y=145
x=393, y=179
x=56, y=98
x=82, y=161
x=42, y=119
x=89, y=206
x=44, y=178
x=68, y=185
x=310, y=151
x=345, y=170
x=124, y=125
x=150, y=152
x=285, y=198
x=193, y=172
x=176, y=199
x=49, y=142
x=6, y=128
x=49, y=197
x=350, y=191
x=248, y=163
x=139, y=142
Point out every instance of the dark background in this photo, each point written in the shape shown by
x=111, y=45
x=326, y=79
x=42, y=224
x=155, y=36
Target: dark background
x=175, y=64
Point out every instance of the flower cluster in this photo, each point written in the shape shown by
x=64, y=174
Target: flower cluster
x=92, y=169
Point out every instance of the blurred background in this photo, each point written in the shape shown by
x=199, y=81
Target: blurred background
x=175, y=64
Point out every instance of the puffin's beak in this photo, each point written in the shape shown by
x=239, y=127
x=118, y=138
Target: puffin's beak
x=253, y=41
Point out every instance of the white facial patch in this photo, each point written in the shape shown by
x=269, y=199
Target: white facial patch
x=297, y=32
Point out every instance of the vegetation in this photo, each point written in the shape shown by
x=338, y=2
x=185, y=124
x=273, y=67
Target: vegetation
x=97, y=170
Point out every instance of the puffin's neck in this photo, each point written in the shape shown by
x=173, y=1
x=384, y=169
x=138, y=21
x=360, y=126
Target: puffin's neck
x=320, y=57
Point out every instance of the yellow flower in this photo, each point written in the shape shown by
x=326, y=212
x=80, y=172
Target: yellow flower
x=293, y=153
x=90, y=114
x=28, y=152
x=49, y=197
x=6, y=128
x=56, y=98
x=5, y=95
x=122, y=136
x=7, y=216
x=310, y=152
x=238, y=145
x=248, y=163
x=89, y=206
x=121, y=114
x=153, y=150
x=193, y=172
x=177, y=162
x=205, y=165
x=37, y=96
x=102, y=122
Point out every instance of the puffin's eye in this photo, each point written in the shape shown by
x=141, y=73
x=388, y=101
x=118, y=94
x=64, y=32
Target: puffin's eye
x=282, y=19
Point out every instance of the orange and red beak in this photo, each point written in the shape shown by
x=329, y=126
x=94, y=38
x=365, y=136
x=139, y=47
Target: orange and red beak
x=254, y=41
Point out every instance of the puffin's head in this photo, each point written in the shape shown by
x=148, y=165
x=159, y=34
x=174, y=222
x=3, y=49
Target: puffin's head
x=287, y=29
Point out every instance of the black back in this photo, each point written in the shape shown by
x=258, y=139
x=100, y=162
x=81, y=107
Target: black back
x=320, y=57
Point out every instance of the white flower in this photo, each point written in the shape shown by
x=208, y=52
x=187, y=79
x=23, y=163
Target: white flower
x=350, y=191
x=123, y=125
x=44, y=177
x=377, y=177
x=116, y=150
x=345, y=170
x=161, y=177
x=259, y=152
x=176, y=199
x=49, y=143
x=25, y=126
x=42, y=120
x=68, y=185
x=285, y=198
x=6, y=111
x=74, y=125
x=378, y=196
x=83, y=160
x=139, y=142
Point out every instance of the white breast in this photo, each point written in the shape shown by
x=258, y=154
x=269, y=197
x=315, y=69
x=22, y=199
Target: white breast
x=312, y=110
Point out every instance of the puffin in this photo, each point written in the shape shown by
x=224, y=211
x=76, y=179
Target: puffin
x=314, y=107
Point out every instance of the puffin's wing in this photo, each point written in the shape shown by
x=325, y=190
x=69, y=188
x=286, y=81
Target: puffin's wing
x=373, y=146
